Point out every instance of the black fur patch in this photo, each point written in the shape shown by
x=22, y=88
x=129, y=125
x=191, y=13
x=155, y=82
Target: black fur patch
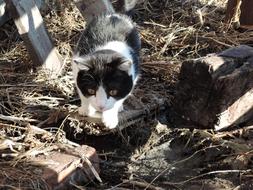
x=103, y=70
x=109, y=28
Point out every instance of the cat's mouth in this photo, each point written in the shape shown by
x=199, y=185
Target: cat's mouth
x=101, y=110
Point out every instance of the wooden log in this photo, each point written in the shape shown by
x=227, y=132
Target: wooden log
x=92, y=8
x=138, y=116
x=232, y=7
x=246, y=16
x=216, y=91
x=141, y=108
x=30, y=26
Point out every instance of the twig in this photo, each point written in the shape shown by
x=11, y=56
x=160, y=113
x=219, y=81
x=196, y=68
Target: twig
x=59, y=129
x=155, y=24
x=93, y=170
x=39, y=131
x=208, y=173
x=44, y=98
x=16, y=119
x=18, y=85
x=225, y=133
x=12, y=126
x=9, y=187
x=35, y=151
x=142, y=185
x=217, y=41
x=10, y=155
x=68, y=142
x=7, y=144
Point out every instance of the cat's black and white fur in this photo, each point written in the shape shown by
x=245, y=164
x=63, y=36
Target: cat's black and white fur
x=105, y=66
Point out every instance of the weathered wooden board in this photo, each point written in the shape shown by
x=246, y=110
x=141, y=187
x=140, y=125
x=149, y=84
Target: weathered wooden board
x=30, y=26
x=92, y=8
x=216, y=91
x=135, y=113
x=4, y=13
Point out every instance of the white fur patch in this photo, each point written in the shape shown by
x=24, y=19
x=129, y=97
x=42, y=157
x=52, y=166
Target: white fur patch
x=100, y=102
x=110, y=117
x=101, y=99
x=124, y=50
x=75, y=68
x=78, y=64
x=119, y=47
x=132, y=72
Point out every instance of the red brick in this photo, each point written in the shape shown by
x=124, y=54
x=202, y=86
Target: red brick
x=63, y=167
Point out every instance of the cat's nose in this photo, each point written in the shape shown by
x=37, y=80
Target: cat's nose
x=101, y=108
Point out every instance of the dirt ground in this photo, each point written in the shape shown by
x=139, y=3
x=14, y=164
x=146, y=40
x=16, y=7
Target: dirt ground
x=152, y=154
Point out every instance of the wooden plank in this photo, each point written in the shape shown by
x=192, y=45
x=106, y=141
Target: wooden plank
x=92, y=8
x=216, y=91
x=30, y=26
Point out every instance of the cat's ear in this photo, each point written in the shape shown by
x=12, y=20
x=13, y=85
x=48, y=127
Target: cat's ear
x=125, y=65
x=81, y=63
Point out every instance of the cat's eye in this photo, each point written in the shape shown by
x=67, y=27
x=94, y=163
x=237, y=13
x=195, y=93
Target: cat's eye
x=91, y=91
x=113, y=92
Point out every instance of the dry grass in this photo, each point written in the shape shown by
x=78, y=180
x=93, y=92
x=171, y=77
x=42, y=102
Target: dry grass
x=171, y=32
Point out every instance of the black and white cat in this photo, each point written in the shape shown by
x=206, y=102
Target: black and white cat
x=105, y=66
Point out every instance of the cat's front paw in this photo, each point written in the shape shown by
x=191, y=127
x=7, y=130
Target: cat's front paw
x=121, y=108
x=110, y=119
x=88, y=111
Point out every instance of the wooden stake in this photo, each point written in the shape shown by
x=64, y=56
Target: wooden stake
x=30, y=26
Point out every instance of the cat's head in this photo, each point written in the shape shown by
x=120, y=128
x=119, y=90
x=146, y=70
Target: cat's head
x=104, y=78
